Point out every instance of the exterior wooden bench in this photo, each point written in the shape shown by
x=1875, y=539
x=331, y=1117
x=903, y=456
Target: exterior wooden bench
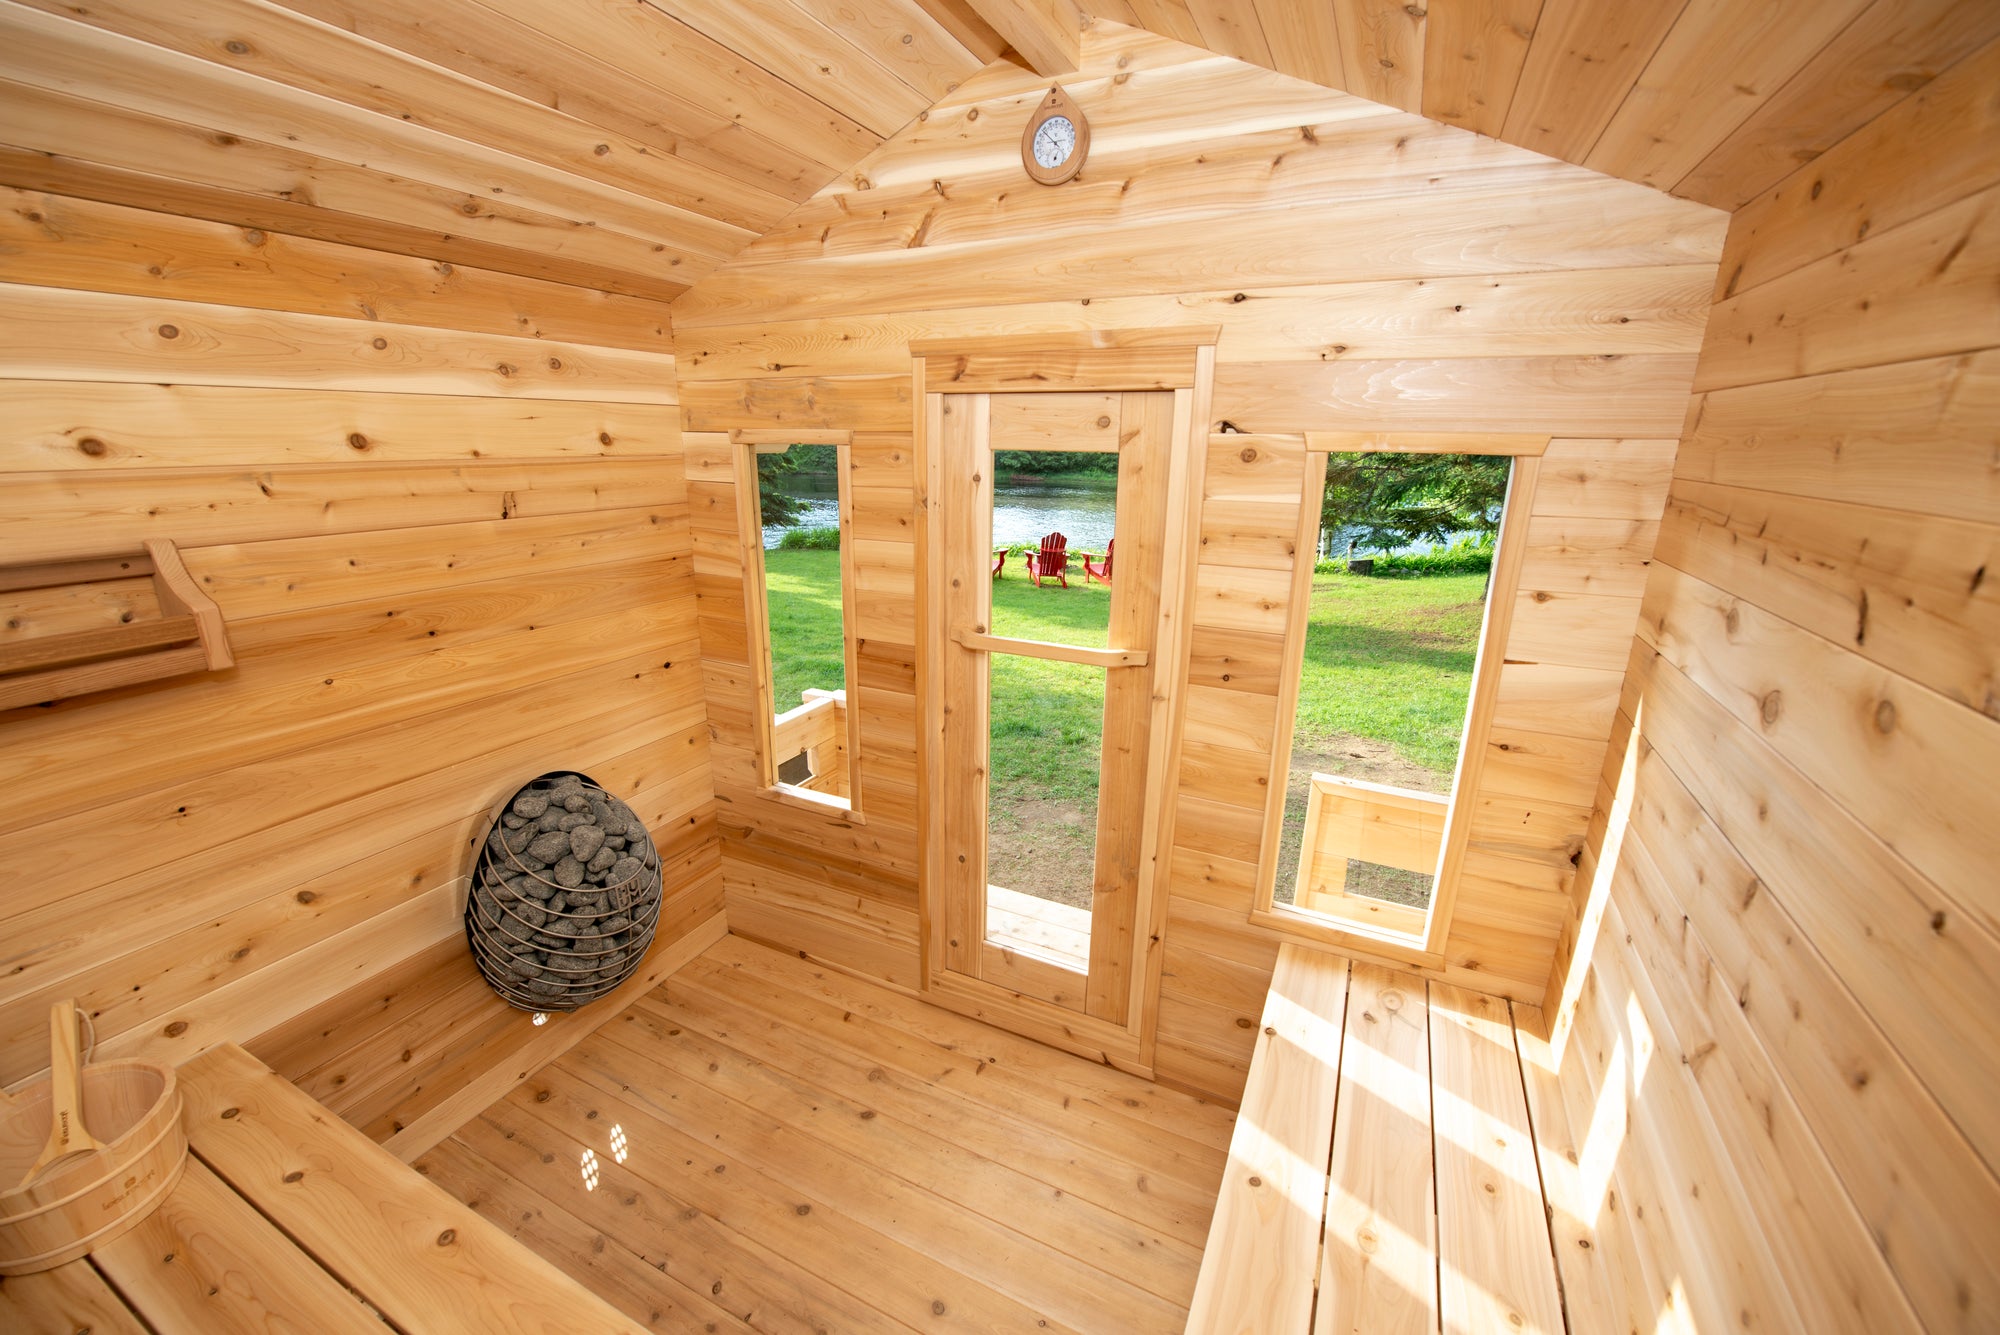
x=289, y=1218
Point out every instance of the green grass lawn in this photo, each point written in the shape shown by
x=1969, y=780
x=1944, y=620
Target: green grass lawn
x=1388, y=671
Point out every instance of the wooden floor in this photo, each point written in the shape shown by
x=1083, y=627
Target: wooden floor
x=761, y=1144
x=1386, y=1173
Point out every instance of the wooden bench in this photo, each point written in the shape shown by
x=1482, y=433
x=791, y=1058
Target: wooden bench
x=1419, y=1206
x=287, y=1218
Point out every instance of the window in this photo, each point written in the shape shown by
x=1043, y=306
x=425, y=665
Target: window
x=802, y=595
x=1388, y=644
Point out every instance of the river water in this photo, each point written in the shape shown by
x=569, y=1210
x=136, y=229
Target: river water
x=1022, y=513
x=1025, y=512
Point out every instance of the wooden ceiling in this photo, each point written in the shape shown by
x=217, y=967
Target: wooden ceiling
x=634, y=145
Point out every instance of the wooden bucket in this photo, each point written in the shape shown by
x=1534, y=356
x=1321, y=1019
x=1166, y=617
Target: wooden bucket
x=83, y=1202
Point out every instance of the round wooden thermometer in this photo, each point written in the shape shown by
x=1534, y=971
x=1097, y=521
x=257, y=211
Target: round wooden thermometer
x=1056, y=140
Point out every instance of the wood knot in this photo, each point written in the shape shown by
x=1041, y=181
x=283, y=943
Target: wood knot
x=170, y=331
x=176, y=1029
x=380, y=344
x=446, y=1238
x=1772, y=707
x=357, y=441
x=306, y=896
x=1885, y=717
x=236, y=48
x=1256, y=1181
x=93, y=447
x=295, y=1176
x=229, y=1113
x=1248, y=454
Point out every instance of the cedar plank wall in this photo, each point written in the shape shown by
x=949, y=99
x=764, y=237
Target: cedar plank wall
x=1792, y=902
x=1380, y=272
x=443, y=512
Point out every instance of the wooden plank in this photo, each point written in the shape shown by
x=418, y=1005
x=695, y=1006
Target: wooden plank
x=1496, y=1271
x=58, y=335
x=1554, y=313
x=69, y=58
x=57, y=241
x=1473, y=54
x=1379, y=1268
x=1855, y=903
x=537, y=1045
x=80, y=646
x=1046, y=33
x=1862, y=75
x=692, y=120
x=206, y=1261
x=1566, y=396
x=1273, y=246
x=813, y=56
x=1904, y=591
x=1929, y=150
x=1382, y=50
x=1717, y=64
x=1043, y=649
x=1886, y=748
x=78, y=147
x=315, y=59
x=1595, y=1250
x=420, y=1256
x=1258, y=1271
x=1585, y=58
x=84, y=426
x=1837, y=1259
x=1899, y=295
x=64, y=1301
x=1907, y=437
x=1486, y=707
x=618, y=1274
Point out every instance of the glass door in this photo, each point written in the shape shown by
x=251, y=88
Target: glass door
x=1052, y=520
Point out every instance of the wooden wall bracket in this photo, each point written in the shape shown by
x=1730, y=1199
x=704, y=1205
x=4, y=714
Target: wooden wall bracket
x=188, y=635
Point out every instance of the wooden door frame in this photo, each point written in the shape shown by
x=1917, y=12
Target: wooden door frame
x=1180, y=361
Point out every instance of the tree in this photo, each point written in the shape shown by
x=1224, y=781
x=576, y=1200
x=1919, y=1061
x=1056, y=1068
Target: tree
x=776, y=506
x=1395, y=500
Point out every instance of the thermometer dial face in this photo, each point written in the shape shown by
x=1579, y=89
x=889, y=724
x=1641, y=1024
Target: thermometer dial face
x=1055, y=141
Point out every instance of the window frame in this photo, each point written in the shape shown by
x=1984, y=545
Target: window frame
x=745, y=447
x=1325, y=927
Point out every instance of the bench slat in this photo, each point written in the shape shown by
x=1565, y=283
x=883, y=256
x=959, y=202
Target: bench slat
x=205, y=1263
x=426, y=1261
x=1262, y=1257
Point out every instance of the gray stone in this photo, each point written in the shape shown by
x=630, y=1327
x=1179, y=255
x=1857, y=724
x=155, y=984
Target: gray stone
x=576, y=802
x=536, y=888
x=585, y=841
x=569, y=872
x=574, y=819
x=530, y=805
x=549, y=847
x=625, y=869
x=511, y=821
x=602, y=859
x=615, y=841
x=551, y=818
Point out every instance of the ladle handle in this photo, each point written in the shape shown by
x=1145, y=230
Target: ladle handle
x=66, y=1130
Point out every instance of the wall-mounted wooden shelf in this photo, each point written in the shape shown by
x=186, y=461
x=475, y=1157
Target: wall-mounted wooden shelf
x=187, y=635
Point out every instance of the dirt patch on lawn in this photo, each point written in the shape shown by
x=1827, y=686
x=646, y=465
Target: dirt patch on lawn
x=1042, y=848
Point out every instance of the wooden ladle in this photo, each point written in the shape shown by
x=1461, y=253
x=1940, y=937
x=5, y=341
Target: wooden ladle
x=67, y=1133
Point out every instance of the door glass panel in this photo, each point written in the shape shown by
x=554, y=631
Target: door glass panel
x=1047, y=732
x=1038, y=495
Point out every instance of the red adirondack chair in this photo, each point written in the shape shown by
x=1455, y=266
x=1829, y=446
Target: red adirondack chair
x=1051, y=562
x=999, y=561
x=1099, y=570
